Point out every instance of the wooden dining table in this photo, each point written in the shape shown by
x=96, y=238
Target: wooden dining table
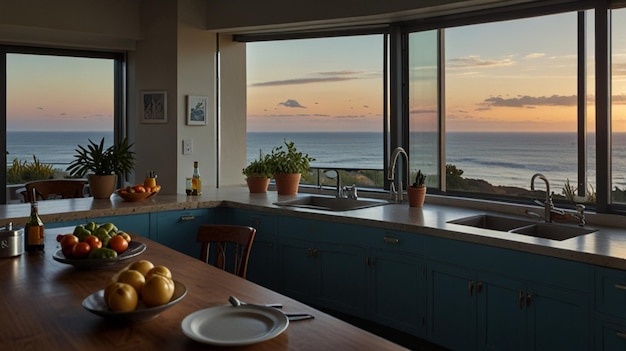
x=41, y=308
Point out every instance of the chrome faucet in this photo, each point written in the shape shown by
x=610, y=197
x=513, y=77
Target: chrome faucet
x=397, y=195
x=548, y=204
x=333, y=173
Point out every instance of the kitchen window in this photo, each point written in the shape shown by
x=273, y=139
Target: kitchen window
x=54, y=101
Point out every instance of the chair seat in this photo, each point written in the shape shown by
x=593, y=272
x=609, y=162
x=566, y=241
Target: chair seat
x=226, y=246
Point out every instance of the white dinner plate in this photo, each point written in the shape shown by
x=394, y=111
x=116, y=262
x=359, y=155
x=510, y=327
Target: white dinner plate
x=234, y=326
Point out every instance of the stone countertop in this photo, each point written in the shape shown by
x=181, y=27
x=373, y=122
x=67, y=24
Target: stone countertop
x=606, y=247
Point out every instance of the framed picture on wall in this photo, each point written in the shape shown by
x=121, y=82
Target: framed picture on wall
x=153, y=107
x=197, y=110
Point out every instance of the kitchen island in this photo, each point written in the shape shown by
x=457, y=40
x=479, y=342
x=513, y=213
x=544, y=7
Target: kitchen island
x=41, y=308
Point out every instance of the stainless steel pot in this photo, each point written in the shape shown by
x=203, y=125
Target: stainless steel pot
x=11, y=241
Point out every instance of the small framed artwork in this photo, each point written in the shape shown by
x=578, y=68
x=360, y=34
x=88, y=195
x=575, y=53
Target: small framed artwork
x=153, y=107
x=197, y=110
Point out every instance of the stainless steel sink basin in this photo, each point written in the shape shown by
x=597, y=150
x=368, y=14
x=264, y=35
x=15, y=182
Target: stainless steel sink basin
x=328, y=203
x=535, y=229
x=492, y=222
x=552, y=231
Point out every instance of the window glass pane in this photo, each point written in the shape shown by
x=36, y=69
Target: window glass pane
x=325, y=95
x=55, y=103
x=511, y=105
x=618, y=104
x=423, y=106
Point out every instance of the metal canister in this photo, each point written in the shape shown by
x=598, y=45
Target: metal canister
x=11, y=241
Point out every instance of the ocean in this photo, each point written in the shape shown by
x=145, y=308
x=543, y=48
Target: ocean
x=508, y=159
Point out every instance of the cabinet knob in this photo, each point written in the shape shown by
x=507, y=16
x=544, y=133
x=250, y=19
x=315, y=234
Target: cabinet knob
x=621, y=334
x=187, y=218
x=529, y=298
x=521, y=300
x=620, y=286
x=470, y=287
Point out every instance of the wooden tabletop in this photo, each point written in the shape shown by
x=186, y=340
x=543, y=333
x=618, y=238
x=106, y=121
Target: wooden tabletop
x=41, y=309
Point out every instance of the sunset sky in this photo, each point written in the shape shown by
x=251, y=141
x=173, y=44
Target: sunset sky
x=496, y=80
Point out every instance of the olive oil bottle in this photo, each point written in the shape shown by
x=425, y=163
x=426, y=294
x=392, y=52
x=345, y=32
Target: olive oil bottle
x=34, y=230
x=196, y=182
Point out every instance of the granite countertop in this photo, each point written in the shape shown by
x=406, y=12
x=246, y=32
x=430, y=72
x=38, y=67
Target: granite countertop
x=605, y=247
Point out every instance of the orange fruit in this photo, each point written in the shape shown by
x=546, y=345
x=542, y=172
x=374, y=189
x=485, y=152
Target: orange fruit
x=69, y=240
x=142, y=265
x=162, y=270
x=133, y=278
x=122, y=297
x=158, y=290
x=93, y=241
x=82, y=249
x=118, y=243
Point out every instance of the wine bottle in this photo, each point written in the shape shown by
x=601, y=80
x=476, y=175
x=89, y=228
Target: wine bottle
x=34, y=229
x=196, y=182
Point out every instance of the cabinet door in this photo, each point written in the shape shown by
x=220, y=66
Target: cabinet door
x=178, y=229
x=452, y=310
x=299, y=272
x=263, y=262
x=610, y=336
x=557, y=319
x=398, y=290
x=343, y=278
x=501, y=313
x=137, y=223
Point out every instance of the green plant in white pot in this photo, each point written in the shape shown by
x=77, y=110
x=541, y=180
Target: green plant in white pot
x=104, y=165
x=287, y=165
x=258, y=174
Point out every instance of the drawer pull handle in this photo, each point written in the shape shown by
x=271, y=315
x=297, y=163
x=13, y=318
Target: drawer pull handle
x=187, y=218
x=391, y=240
x=620, y=286
x=621, y=334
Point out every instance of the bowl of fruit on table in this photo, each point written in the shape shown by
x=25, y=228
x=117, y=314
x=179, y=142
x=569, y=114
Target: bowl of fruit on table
x=138, y=192
x=96, y=246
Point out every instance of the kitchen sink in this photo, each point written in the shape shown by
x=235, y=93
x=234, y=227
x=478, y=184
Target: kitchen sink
x=535, y=229
x=552, y=231
x=492, y=222
x=328, y=203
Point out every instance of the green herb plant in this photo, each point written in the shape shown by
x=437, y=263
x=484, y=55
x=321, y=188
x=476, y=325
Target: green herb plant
x=287, y=160
x=260, y=167
x=420, y=178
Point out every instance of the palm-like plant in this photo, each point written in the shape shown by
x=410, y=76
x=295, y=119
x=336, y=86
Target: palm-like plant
x=116, y=159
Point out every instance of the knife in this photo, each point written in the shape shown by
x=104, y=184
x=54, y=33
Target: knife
x=298, y=316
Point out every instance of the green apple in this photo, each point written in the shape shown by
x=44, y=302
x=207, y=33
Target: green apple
x=91, y=226
x=110, y=227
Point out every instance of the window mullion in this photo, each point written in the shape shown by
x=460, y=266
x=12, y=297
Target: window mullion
x=582, y=103
x=603, y=107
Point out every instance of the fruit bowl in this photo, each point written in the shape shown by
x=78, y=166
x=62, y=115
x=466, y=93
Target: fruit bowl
x=95, y=304
x=134, y=197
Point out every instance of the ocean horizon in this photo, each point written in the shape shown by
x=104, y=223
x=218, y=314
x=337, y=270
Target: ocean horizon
x=507, y=159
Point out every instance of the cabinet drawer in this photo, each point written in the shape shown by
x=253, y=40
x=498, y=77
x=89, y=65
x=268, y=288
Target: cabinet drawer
x=611, y=291
x=395, y=240
x=610, y=336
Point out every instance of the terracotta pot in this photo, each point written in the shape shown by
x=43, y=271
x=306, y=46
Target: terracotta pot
x=416, y=196
x=287, y=184
x=101, y=186
x=258, y=184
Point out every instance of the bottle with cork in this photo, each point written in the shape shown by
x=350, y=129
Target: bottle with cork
x=34, y=228
x=196, y=182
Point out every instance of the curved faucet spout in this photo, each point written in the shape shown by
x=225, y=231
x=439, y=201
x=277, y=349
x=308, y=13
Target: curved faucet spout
x=392, y=171
x=548, y=205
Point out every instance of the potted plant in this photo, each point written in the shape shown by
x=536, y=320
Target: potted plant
x=417, y=191
x=287, y=166
x=105, y=165
x=258, y=174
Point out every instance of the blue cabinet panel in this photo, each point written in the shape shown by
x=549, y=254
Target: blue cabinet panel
x=178, y=229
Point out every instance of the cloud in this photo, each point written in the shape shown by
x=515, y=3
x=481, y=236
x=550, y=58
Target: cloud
x=534, y=55
x=529, y=101
x=320, y=77
x=619, y=69
x=476, y=61
x=291, y=103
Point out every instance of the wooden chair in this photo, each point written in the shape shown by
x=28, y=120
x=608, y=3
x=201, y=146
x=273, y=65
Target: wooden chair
x=54, y=189
x=231, y=247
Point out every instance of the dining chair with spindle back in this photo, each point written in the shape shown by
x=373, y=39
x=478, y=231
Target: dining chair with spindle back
x=226, y=246
x=54, y=189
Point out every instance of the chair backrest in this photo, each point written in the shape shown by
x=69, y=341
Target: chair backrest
x=226, y=246
x=54, y=189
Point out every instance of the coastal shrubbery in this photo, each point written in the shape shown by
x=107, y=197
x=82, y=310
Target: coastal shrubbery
x=22, y=172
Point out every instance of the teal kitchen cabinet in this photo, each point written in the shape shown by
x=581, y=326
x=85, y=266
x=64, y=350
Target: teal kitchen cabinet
x=323, y=264
x=397, y=281
x=136, y=223
x=610, y=305
x=263, y=261
x=486, y=298
x=177, y=229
